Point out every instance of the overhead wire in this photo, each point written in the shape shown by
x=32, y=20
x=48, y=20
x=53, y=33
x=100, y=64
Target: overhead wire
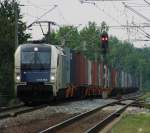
x=140, y=30
x=115, y=7
x=121, y=15
x=36, y=6
x=110, y=16
x=31, y=4
x=136, y=12
x=43, y=15
x=143, y=32
x=62, y=16
x=113, y=18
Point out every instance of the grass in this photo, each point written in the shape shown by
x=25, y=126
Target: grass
x=144, y=100
x=145, y=96
x=138, y=123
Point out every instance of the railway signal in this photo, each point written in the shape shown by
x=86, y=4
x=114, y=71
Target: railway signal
x=104, y=42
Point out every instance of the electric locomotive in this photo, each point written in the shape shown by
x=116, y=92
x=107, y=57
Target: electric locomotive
x=36, y=70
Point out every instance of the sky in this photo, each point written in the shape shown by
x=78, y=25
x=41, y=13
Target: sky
x=75, y=12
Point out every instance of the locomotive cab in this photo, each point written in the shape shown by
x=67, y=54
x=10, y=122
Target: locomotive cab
x=35, y=72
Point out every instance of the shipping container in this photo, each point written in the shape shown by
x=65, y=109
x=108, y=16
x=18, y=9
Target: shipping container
x=85, y=72
x=72, y=68
x=113, y=77
x=94, y=73
x=101, y=74
x=89, y=72
x=105, y=76
x=99, y=78
x=66, y=67
x=122, y=79
x=109, y=77
x=129, y=81
x=79, y=69
x=119, y=79
x=125, y=81
x=116, y=79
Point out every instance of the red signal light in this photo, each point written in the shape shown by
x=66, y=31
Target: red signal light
x=103, y=38
x=104, y=42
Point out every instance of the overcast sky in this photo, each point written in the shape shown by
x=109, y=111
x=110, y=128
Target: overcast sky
x=73, y=12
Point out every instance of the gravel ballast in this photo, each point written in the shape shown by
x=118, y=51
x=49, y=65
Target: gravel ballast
x=50, y=115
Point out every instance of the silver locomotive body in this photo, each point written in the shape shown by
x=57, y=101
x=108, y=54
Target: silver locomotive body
x=36, y=71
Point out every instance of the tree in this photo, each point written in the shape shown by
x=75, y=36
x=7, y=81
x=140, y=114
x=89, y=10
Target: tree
x=91, y=36
x=7, y=45
x=68, y=36
x=104, y=28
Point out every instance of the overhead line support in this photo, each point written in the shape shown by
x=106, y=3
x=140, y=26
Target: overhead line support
x=147, y=2
x=137, y=13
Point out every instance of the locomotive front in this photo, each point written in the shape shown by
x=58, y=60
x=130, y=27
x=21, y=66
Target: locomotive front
x=34, y=80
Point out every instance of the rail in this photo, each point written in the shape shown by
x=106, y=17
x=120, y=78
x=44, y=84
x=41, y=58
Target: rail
x=78, y=117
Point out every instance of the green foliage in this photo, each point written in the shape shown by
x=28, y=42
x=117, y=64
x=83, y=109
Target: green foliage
x=90, y=35
x=68, y=36
x=104, y=28
x=7, y=46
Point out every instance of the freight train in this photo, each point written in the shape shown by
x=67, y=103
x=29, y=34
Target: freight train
x=44, y=72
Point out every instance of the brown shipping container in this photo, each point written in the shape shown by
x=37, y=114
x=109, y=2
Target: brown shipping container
x=101, y=74
x=126, y=82
x=109, y=79
x=81, y=69
x=113, y=77
x=94, y=73
x=117, y=79
x=99, y=79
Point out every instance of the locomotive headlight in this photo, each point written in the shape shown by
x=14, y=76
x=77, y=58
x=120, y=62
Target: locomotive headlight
x=18, y=78
x=35, y=48
x=52, y=78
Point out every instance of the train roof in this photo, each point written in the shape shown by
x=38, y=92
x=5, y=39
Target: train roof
x=31, y=46
x=41, y=47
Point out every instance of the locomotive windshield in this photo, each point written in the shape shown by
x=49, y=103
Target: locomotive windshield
x=27, y=58
x=40, y=58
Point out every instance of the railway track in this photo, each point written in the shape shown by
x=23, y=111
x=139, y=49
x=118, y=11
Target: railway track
x=2, y=109
x=90, y=121
x=18, y=109
x=101, y=124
